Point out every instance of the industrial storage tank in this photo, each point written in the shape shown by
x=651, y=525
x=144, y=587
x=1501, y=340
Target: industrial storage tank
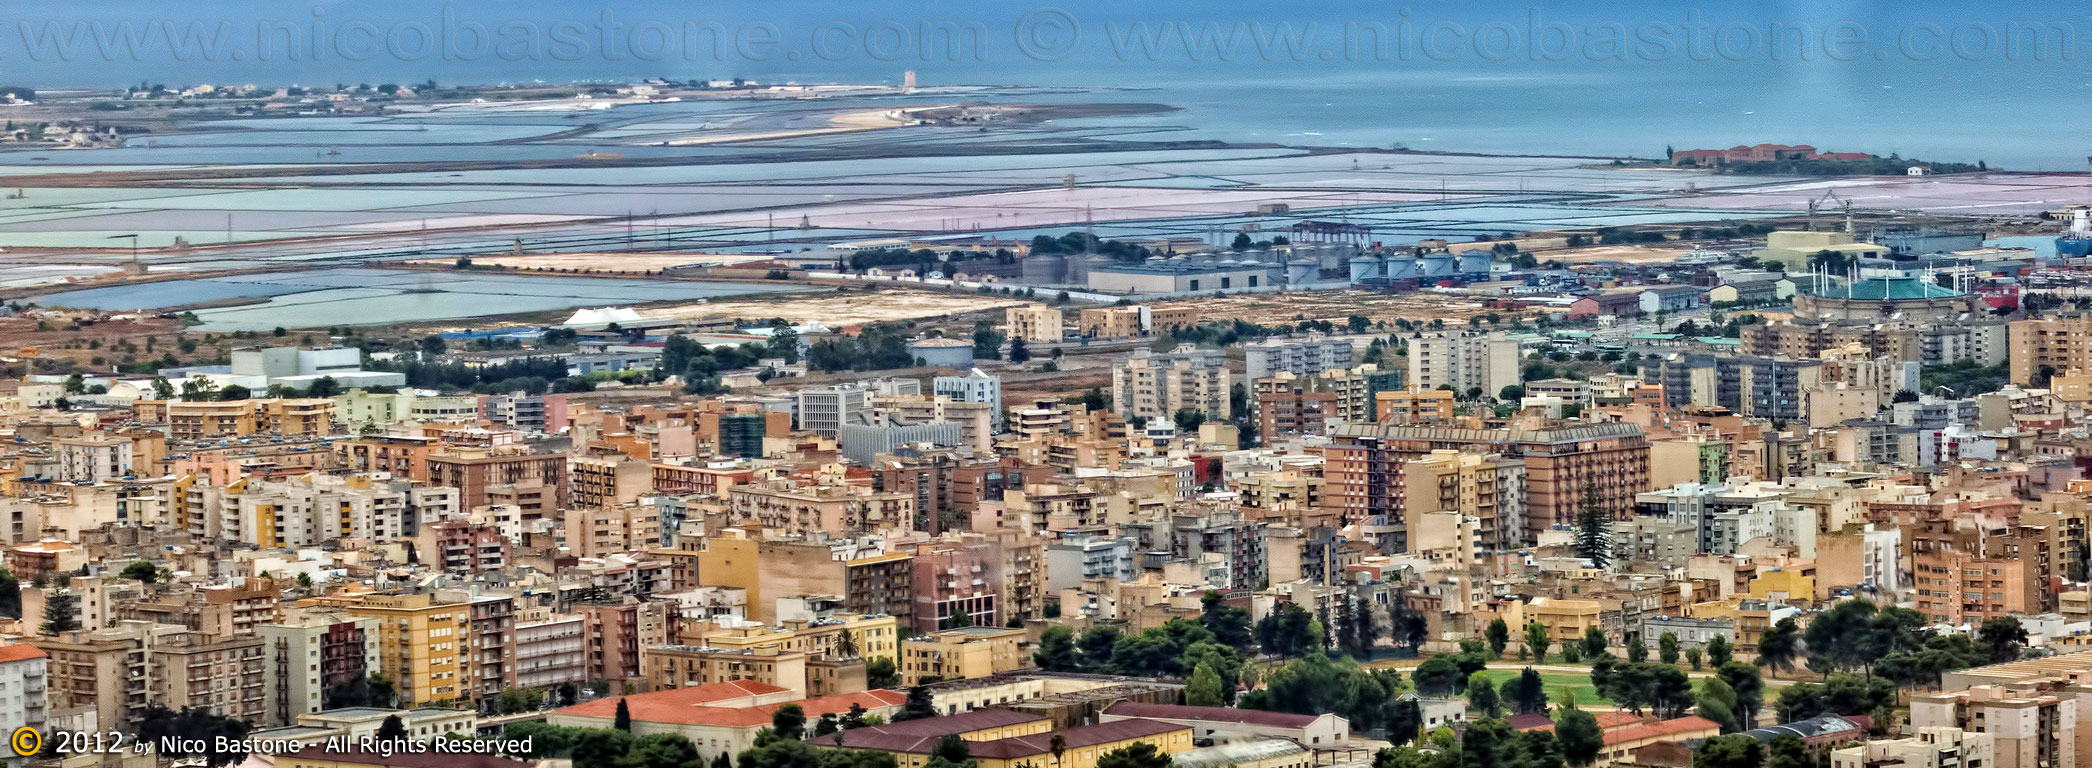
x=1367, y=267
x=1474, y=263
x=946, y=353
x=1302, y=271
x=1400, y=268
x=1437, y=265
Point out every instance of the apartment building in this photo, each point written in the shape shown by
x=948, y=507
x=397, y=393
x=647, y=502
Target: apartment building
x=1936, y=747
x=2048, y=345
x=2029, y=727
x=421, y=642
x=1301, y=356
x=1289, y=406
x=477, y=472
x=1413, y=406
x=237, y=609
x=616, y=630
x=1463, y=361
x=24, y=686
x=603, y=482
x=307, y=510
x=1486, y=487
x=792, y=509
x=489, y=646
x=1033, y=323
x=874, y=581
x=94, y=457
x=551, y=648
x=1565, y=463
x=961, y=654
x=1157, y=385
x=223, y=675
x=309, y=653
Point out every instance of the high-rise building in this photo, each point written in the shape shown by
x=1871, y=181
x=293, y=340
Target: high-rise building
x=2044, y=346
x=1157, y=386
x=1566, y=464
x=1761, y=387
x=551, y=648
x=1463, y=361
x=1289, y=406
x=421, y=643
x=1302, y=356
x=1489, y=488
x=309, y=654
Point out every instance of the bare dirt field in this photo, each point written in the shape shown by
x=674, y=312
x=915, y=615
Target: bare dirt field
x=60, y=340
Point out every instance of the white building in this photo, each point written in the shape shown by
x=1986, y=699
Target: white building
x=1303, y=356
x=1463, y=361
x=974, y=387
x=23, y=682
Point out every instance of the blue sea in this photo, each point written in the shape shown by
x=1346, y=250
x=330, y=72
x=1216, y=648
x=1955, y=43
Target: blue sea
x=2008, y=83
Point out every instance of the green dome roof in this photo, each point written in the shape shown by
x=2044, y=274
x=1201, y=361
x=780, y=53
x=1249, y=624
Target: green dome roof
x=1887, y=289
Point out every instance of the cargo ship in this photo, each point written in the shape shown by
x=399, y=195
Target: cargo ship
x=2077, y=242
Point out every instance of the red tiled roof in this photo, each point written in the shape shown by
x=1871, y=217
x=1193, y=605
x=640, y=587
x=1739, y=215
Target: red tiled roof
x=20, y=651
x=921, y=736
x=694, y=706
x=1606, y=721
x=1659, y=730
x=1209, y=714
x=317, y=753
x=1085, y=736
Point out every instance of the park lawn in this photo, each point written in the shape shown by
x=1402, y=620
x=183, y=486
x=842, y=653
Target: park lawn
x=1561, y=687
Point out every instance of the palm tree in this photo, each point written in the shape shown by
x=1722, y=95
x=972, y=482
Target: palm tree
x=846, y=644
x=1058, y=745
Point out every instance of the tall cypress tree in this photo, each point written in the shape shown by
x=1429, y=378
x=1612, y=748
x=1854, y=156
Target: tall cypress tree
x=1594, y=541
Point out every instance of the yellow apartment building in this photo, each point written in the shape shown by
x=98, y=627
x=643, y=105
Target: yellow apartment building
x=960, y=654
x=420, y=643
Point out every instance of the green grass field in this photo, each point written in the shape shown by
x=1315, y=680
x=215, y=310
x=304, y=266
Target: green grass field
x=1560, y=686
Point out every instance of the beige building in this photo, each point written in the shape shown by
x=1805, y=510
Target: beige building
x=1463, y=361
x=1157, y=386
x=1414, y=406
x=792, y=510
x=1033, y=323
x=1928, y=748
x=2049, y=345
x=2031, y=727
x=1110, y=322
x=1793, y=248
x=668, y=667
x=224, y=675
x=1488, y=488
x=961, y=654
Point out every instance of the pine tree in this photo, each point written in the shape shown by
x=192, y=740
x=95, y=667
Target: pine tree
x=623, y=722
x=1593, y=538
x=61, y=613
